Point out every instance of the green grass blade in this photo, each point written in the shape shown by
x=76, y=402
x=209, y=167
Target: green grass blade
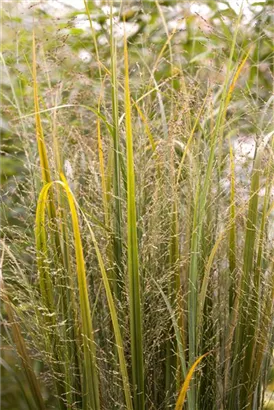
x=232, y=231
x=200, y=208
x=253, y=319
x=171, y=363
x=94, y=38
x=114, y=318
x=133, y=259
x=249, y=253
x=102, y=166
x=117, y=241
x=246, y=325
x=177, y=330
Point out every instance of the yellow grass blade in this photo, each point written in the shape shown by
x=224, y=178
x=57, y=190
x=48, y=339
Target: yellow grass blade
x=236, y=76
x=91, y=383
x=182, y=396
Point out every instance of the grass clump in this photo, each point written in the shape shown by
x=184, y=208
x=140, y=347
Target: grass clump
x=150, y=278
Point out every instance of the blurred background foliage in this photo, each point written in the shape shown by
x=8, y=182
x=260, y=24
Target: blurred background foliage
x=68, y=70
x=68, y=74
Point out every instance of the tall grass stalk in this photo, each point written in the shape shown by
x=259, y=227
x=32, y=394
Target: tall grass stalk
x=136, y=332
x=117, y=193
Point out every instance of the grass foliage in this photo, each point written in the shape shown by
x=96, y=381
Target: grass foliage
x=143, y=278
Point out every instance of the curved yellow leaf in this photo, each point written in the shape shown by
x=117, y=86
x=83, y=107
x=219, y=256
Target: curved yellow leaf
x=183, y=392
x=91, y=382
